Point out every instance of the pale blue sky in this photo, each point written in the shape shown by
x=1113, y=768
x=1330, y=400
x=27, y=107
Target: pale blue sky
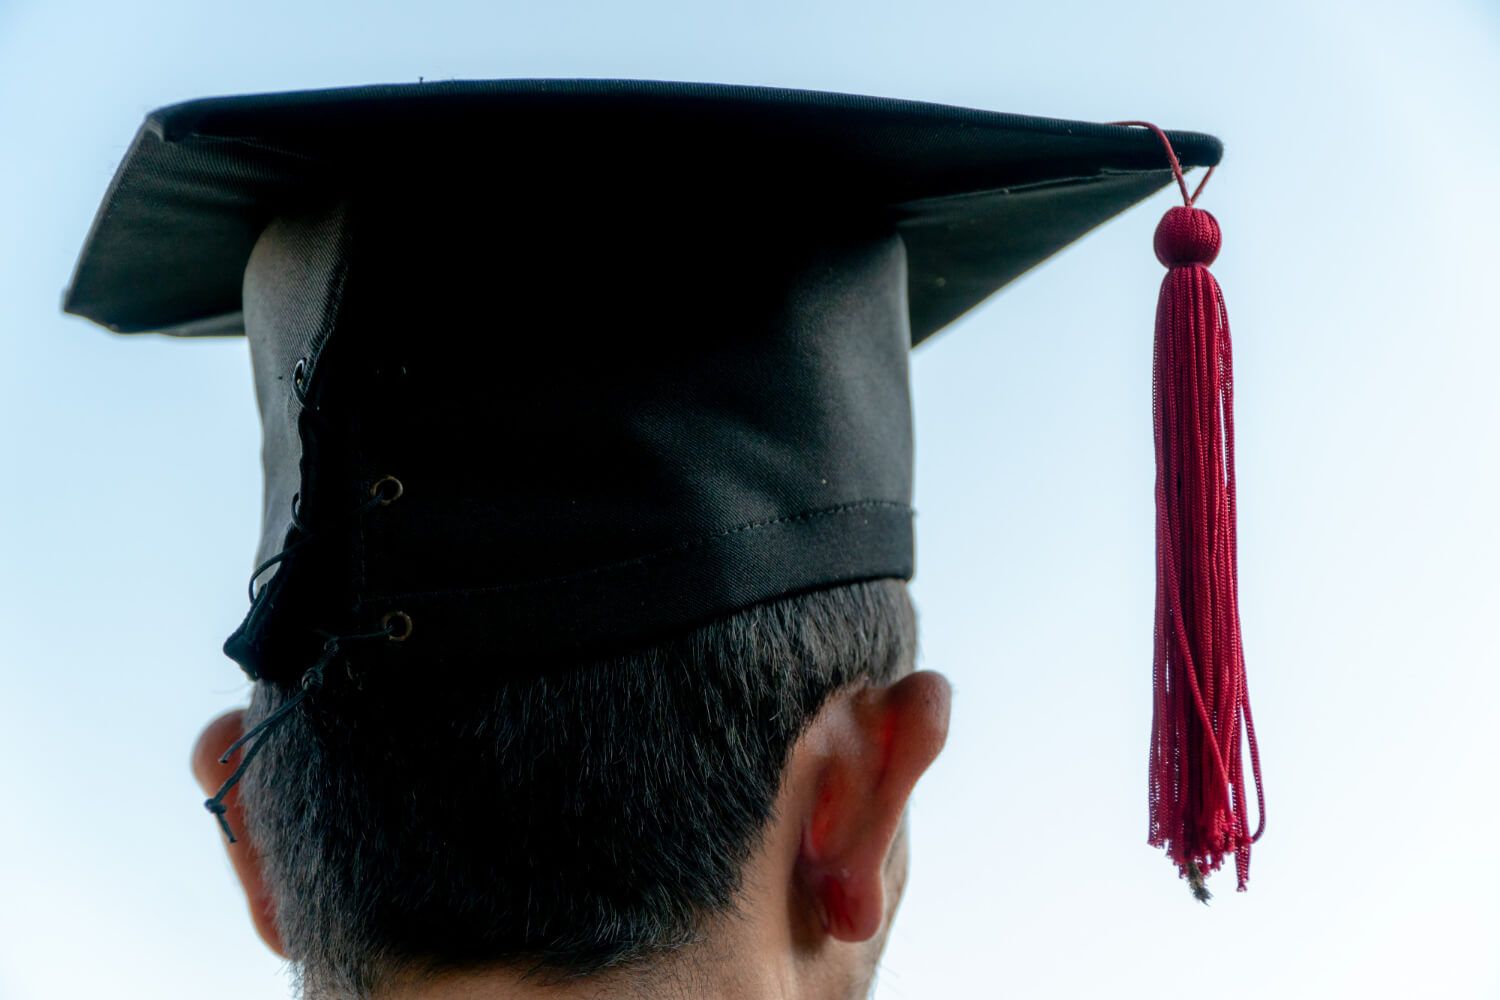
x=1358, y=202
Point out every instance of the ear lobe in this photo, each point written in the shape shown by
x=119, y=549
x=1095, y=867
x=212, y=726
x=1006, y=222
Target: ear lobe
x=243, y=857
x=876, y=744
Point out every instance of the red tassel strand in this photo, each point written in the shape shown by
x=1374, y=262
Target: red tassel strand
x=1202, y=723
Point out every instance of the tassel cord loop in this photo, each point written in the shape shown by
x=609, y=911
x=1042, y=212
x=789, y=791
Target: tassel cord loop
x=1187, y=199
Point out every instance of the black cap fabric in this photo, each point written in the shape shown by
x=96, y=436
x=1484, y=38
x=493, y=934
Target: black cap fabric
x=979, y=197
x=551, y=368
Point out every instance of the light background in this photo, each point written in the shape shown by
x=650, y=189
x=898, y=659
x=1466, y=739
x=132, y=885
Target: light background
x=1359, y=206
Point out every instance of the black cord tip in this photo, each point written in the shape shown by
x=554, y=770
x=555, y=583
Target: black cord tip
x=217, y=807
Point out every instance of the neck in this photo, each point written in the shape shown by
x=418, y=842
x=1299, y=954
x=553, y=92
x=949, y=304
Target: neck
x=673, y=980
x=770, y=948
x=701, y=973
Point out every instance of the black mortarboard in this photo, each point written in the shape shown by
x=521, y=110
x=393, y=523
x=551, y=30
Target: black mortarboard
x=564, y=366
x=635, y=351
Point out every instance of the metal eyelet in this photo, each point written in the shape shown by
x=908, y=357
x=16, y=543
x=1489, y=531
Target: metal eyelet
x=299, y=379
x=397, y=625
x=387, y=490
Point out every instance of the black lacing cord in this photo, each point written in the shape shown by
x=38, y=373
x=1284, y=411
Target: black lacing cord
x=395, y=626
x=255, y=736
x=305, y=535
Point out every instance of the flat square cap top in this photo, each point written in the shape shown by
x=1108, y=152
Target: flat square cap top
x=978, y=197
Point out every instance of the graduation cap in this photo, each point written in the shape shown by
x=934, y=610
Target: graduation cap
x=563, y=367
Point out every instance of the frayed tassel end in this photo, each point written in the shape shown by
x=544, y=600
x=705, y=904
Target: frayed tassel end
x=1198, y=885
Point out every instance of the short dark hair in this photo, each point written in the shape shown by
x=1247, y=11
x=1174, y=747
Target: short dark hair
x=573, y=820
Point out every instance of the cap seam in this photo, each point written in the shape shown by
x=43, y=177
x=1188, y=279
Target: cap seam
x=650, y=557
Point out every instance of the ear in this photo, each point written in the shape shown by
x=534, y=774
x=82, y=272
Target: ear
x=243, y=856
x=863, y=754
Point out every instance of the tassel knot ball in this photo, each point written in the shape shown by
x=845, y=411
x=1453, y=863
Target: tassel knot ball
x=1187, y=236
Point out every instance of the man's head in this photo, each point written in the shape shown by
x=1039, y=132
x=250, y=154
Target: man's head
x=725, y=804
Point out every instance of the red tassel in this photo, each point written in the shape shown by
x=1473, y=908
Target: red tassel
x=1197, y=784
